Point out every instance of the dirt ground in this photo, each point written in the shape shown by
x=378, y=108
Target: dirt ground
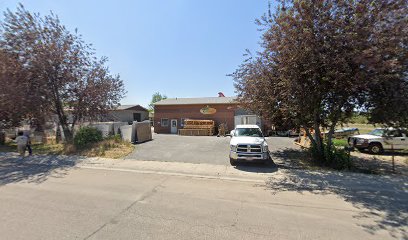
x=382, y=163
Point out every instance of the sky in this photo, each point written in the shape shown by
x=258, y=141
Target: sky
x=180, y=48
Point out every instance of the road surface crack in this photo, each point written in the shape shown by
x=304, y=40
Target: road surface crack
x=140, y=199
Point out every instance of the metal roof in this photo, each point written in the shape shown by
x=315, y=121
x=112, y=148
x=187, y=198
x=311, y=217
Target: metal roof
x=205, y=100
x=125, y=107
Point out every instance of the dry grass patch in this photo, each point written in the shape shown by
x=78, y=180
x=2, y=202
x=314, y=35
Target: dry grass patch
x=109, y=148
x=38, y=148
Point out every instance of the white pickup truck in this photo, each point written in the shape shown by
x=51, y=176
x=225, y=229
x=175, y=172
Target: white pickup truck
x=248, y=144
x=380, y=139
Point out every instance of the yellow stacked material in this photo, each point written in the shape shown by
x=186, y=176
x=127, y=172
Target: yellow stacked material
x=195, y=132
x=199, y=122
x=198, y=128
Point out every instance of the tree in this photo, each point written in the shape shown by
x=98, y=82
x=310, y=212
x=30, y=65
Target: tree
x=62, y=71
x=19, y=94
x=155, y=98
x=12, y=102
x=321, y=60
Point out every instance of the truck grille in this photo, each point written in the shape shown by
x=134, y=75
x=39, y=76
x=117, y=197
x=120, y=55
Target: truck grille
x=248, y=148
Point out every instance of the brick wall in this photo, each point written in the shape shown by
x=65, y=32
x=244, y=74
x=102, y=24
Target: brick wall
x=224, y=114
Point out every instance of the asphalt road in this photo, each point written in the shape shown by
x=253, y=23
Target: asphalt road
x=115, y=204
x=195, y=149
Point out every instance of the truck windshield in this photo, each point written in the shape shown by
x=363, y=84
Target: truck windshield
x=377, y=132
x=248, y=132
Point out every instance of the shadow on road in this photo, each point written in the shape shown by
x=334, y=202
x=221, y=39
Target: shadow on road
x=34, y=169
x=382, y=198
x=300, y=159
x=290, y=158
x=388, y=153
x=256, y=167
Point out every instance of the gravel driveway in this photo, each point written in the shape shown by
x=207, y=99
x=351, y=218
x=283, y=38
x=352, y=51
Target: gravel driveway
x=194, y=149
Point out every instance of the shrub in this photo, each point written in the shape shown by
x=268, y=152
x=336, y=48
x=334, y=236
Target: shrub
x=338, y=159
x=87, y=135
x=335, y=158
x=116, y=138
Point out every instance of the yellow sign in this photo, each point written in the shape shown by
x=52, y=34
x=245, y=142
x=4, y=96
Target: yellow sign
x=208, y=110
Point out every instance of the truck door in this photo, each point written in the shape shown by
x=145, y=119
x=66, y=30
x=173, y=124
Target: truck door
x=398, y=139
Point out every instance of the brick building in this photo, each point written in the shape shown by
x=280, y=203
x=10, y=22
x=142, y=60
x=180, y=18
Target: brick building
x=169, y=114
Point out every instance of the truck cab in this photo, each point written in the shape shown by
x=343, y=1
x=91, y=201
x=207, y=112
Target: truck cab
x=380, y=139
x=248, y=144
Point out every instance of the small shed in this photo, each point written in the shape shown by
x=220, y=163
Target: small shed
x=128, y=113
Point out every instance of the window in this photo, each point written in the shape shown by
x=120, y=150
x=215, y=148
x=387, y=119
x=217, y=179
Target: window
x=377, y=132
x=248, y=132
x=182, y=122
x=394, y=133
x=164, y=122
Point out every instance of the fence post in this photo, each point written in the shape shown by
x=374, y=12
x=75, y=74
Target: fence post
x=392, y=157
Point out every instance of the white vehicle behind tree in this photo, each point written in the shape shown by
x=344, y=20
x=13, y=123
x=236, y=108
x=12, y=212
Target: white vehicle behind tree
x=248, y=144
x=380, y=139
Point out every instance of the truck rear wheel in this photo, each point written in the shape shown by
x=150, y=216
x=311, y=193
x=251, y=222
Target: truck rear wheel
x=375, y=148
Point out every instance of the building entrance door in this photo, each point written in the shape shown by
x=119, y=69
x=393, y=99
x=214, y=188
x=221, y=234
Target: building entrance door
x=173, y=125
x=137, y=117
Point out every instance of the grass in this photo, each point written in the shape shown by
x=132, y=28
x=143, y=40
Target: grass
x=340, y=142
x=8, y=148
x=48, y=148
x=109, y=148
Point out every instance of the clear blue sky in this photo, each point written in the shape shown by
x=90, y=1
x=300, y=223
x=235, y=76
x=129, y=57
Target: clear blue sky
x=181, y=48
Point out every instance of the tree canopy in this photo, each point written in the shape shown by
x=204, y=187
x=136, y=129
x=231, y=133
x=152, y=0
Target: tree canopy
x=322, y=60
x=155, y=98
x=14, y=104
x=62, y=75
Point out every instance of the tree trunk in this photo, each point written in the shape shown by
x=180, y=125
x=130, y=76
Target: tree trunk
x=330, y=136
x=69, y=137
x=319, y=144
x=310, y=136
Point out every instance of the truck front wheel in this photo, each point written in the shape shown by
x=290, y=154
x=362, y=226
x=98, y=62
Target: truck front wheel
x=233, y=162
x=269, y=162
x=375, y=148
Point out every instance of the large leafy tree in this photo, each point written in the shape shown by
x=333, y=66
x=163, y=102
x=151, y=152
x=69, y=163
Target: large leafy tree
x=321, y=60
x=65, y=77
x=13, y=103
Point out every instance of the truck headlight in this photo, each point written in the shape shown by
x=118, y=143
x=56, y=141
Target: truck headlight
x=265, y=148
x=233, y=148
